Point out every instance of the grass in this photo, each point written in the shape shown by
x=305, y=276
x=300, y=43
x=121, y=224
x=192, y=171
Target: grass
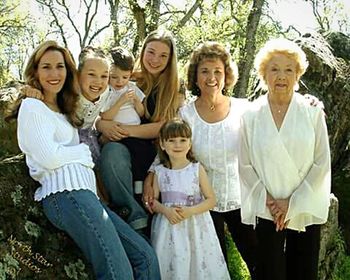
x=237, y=267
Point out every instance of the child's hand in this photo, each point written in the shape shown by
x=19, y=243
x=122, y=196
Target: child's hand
x=29, y=91
x=172, y=215
x=129, y=96
x=184, y=212
x=132, y=96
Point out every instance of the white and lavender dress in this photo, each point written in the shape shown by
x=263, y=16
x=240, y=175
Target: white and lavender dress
x=188, y=250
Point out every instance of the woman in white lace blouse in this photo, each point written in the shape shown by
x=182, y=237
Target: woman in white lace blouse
x=214, y=118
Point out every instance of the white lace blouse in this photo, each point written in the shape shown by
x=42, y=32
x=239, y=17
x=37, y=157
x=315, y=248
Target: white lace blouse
x=215, y=145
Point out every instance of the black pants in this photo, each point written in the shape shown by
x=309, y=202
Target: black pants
x=243, y=235
x=142, y=152
x=287, y=254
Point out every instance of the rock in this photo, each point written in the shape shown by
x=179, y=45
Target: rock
x=328, y=78
x=330, y=247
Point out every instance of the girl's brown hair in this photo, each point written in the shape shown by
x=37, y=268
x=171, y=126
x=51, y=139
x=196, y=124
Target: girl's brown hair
x=67, y=98
x=167, y=83
x=175, y=127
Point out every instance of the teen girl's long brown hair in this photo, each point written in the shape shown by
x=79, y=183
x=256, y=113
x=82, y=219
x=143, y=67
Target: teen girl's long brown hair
x=167, y=83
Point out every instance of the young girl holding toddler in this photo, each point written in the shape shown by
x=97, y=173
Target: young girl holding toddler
x=183, y=233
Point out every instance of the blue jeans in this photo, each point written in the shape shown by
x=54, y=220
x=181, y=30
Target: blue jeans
x=116, y=174
x=113, y=248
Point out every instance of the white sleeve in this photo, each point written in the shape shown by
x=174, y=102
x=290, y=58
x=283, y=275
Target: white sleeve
x=312, y=196
x=139, y=93
x=253, y=191
x=36, y=139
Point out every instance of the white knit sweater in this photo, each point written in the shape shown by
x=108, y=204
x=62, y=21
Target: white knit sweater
x=53, y=154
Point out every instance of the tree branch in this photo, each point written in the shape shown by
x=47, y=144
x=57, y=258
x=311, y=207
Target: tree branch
x=190, y=13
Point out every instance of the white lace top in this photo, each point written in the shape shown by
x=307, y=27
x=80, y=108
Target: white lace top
x=215, y=145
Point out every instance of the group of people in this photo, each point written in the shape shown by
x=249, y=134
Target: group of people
x=262, y=168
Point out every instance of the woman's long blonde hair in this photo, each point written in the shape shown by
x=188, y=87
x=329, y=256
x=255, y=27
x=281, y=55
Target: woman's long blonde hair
x=167, y=83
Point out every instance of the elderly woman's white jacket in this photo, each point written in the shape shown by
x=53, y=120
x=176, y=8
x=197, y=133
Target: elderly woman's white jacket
x=292, y=162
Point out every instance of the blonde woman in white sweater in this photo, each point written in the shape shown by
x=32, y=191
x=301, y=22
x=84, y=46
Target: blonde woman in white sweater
x=48, y=137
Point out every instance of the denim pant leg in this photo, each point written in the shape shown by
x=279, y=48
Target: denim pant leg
x=115, y=170
x=140, y=253
x=83, y=217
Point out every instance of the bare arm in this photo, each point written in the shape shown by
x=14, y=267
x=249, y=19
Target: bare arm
x=148, y=192
x=140, y=109
x=111, y=130
x=145, y=131
x=29, y=91
x=113, y=111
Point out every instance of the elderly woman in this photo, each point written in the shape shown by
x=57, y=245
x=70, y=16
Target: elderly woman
x=284, y=163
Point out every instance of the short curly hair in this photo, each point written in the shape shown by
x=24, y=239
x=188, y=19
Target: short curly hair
x=209, y=51
x=279, y=46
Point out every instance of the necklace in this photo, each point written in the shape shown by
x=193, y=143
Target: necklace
x=212, y=108
x=280, y=109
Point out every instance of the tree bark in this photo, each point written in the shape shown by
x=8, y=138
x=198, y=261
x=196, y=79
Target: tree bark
x=114, y=6
x=140, y=17
x=189, y=14
x=248, y=51
x=154, y=15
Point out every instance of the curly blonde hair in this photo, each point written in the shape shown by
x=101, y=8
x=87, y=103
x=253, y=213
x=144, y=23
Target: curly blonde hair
x=280, y=46
x=211, y=51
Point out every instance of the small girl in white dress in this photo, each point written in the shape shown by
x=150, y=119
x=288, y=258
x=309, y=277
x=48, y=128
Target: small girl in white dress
x=183, y=233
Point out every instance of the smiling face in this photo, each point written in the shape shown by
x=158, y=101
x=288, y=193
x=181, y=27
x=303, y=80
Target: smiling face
x=119, y=78
x=211, y=76
x=93, y=78
x=176, y=147
x=156, y=57
x=51, y=72
x=281, y=74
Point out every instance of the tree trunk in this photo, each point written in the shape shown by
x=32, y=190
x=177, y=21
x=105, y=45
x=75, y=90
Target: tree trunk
x=114, y=6
x=155, y=13
x=140, y=17
x=248, y=52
